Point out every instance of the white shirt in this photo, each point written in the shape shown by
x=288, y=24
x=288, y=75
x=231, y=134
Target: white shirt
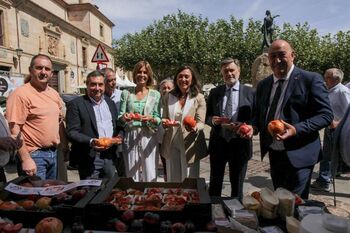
x=278, y=145
x=284, y=87
x=103, y=118
x=339, y=97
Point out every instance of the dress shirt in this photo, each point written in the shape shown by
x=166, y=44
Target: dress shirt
x=103, y=118
x=339, y=97
x=278, y=145
x=273, y=90
x=235, y=99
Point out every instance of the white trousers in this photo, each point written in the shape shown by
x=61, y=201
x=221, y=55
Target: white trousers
x=176, y=164
x=140, y=153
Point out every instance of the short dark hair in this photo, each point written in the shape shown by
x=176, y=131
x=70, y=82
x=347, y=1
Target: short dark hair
x=229, y=60
x=39, y=55
x=95, y=73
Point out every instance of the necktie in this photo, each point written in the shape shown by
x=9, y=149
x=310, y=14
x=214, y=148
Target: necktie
x=228, y=133
x=228, y=107
x=276, y=97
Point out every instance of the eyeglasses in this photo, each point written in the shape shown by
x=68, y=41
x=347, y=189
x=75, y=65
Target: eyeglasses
x=111, y=80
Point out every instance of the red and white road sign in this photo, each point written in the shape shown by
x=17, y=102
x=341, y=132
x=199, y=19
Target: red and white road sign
x=100, y=55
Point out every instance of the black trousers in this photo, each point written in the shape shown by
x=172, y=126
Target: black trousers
x=285, y=175
x=2, y=175
x=237, y=158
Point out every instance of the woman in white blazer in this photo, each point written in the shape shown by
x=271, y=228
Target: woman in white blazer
x=183, y=146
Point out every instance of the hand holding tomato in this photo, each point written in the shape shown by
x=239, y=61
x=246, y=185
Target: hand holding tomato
x=102, y=144
x=117, y=140
x=128, y=116
x=217, y=120
x=136, y=117
x=281, y=130
x=245, y=131
x=190, y=123
x=147, y=118
x=275, y=127
x=131, y=116
x=169, y=123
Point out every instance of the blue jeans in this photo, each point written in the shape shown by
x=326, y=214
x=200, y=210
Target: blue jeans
x=325, y=164
x=46, y=163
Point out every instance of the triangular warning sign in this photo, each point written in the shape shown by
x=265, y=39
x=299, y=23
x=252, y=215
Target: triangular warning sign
x=100, y=55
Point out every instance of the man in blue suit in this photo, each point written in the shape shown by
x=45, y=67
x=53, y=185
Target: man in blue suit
x=301, y=101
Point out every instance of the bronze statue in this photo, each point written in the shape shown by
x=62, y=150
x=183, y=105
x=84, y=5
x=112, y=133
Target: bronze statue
x=267, y=29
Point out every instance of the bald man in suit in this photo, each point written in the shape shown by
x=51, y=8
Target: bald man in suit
x=304, y=107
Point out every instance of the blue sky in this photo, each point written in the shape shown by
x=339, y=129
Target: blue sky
x=130, y=16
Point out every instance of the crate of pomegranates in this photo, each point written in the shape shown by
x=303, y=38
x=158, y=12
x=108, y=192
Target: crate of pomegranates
x=175, y=202
x=30, y=199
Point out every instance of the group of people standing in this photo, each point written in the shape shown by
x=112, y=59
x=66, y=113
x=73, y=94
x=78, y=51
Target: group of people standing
x=146, y=123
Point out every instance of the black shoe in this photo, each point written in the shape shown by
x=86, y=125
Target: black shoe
x=71, y=168
x=320, y=186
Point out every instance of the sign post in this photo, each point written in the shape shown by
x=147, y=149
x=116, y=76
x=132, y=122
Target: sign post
x=100, y=56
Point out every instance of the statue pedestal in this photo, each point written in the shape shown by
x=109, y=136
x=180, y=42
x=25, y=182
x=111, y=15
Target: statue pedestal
x=260, y=69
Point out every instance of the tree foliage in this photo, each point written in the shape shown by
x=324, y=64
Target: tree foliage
x=184, y=38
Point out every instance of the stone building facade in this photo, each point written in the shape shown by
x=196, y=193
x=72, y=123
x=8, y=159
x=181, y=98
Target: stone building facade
x=69, y=31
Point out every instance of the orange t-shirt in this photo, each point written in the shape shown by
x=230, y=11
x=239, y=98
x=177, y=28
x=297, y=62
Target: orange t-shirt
x=39, y=112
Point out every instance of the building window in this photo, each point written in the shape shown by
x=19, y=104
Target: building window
x=1, y=28
x=84, y=57
x=101, y=30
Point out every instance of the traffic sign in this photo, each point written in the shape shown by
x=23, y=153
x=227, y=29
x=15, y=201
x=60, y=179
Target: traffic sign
x=100, y=55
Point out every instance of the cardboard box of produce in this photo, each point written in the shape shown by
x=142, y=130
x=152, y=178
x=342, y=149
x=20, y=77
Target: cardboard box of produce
x=175, y=202
x=27, y=200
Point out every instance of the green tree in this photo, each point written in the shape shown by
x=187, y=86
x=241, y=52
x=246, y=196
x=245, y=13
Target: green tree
x=183, y=38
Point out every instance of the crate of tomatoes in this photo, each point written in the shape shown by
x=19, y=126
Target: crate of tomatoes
x=29, y=199
x=173, y=202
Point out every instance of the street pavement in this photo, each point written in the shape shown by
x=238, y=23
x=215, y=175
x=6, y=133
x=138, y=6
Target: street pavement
x=258, y=176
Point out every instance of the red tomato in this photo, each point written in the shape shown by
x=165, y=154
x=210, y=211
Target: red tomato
x=131, y=115
x=244, y=128
x=275, y=127
x=137, y=116
x=104, y=142
x=189, y=121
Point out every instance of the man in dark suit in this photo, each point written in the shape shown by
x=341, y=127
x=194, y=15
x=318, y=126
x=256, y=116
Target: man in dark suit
x=300, y=99
x=90, y=117
x=228, y=106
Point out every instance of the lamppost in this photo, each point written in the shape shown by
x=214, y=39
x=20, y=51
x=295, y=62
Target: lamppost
x=19, y=52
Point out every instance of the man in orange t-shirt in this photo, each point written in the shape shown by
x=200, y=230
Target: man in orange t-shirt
x=34, y=112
